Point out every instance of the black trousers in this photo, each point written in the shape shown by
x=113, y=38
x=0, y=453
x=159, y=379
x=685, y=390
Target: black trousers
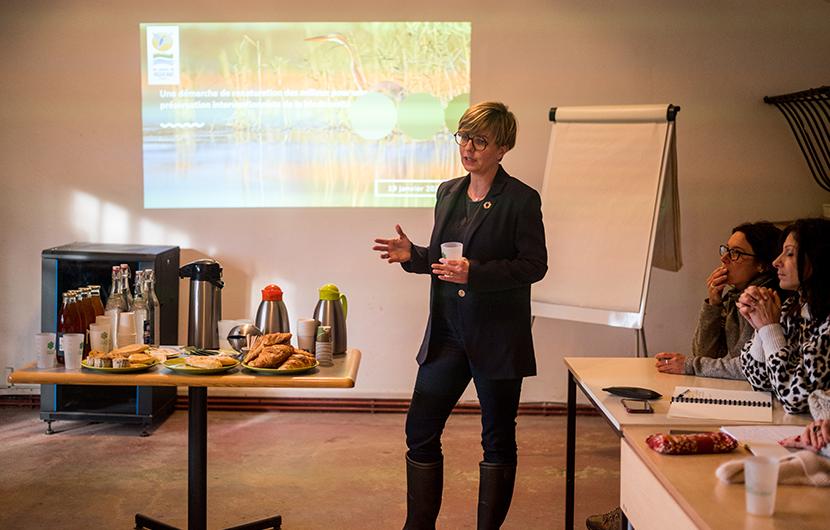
x=441, y=381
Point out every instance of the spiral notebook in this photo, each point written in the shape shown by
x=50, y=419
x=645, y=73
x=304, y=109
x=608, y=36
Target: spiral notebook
x=716, y=404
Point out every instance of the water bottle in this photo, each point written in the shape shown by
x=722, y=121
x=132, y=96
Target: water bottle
x=153, y=313
x=115, y=305
x=140, y=310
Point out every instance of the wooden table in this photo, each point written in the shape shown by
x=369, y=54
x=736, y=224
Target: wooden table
x=341, y=375
x=592, y=374
x=681, y=491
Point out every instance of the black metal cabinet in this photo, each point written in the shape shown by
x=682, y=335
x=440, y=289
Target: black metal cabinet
x=79, y=264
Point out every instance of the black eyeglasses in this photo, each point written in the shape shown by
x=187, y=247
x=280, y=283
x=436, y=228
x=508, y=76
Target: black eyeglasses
x=734, y=254
x=479, y=143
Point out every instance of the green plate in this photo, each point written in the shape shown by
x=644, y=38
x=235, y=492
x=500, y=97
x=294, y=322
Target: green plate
x=178, y=364
x=129, y=369
x=278, y=371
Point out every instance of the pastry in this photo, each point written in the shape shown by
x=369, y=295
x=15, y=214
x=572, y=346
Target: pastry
x=199, y=361
x=98, y=359
x=141, y=358
x=272, y=356
x=226, y=360
x=120, y=362
x=264, y=341
x=296, y=362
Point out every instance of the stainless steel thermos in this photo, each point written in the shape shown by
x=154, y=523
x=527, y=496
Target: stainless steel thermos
x=331, y=311
x=272, y=316
x=205, y=310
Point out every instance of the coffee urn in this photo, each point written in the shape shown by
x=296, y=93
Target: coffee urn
x=205, y=310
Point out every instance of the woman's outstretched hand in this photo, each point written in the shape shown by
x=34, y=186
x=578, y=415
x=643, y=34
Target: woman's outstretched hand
x=398, y=250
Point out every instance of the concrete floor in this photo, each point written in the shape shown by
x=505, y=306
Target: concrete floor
x=340, y=471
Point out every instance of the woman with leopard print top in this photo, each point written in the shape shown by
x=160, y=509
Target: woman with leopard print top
x=790, y=351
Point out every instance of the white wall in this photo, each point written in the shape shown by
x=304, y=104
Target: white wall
x=71, y=162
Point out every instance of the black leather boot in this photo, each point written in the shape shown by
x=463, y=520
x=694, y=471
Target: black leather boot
x=424, y=485
x=495, y=491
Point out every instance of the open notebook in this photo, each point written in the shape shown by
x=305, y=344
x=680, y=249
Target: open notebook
x=716, y=404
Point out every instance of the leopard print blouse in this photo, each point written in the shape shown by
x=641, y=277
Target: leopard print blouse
x=797, y=369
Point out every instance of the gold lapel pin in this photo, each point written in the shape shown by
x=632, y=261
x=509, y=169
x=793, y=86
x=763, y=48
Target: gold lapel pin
x=487, y=205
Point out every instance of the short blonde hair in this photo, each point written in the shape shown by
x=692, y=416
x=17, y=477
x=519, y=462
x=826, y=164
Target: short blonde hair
x=490, y=118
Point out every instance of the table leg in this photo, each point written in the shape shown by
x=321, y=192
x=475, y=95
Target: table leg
x=197, y=473
x=197, y=458
x=570, y=452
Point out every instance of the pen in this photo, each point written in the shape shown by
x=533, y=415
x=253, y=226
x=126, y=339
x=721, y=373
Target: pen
x=684, y=392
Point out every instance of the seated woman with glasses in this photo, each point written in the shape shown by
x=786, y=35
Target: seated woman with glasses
x=746, y=260
x=790, y=351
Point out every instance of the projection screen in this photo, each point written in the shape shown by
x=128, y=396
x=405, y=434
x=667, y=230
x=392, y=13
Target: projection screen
x=301, y=114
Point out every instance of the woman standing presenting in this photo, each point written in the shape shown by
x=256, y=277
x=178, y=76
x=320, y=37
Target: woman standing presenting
x=790, y=352
x=479, y=321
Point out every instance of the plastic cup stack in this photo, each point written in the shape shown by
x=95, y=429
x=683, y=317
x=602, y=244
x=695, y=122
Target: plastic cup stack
x=307, y=334
x=126, y=330
x=324, y=347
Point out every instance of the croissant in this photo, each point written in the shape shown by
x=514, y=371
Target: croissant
x=297, y=361
x=264, y=341
x=272, y=356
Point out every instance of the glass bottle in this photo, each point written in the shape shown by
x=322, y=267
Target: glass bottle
x=115, y=304
x=139, y=309
x=95, y=298
x=125, y=286
x=153, y=313
x=87, y=312
x=69, y=321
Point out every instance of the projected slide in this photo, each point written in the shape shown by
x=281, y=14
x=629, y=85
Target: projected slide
x=301, y=114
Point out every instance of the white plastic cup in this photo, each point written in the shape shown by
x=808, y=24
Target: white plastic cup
x=306, y=333
x=99, y=337
x=72, y=345
x=761, y=474
x=306, y=342
x=126, y=325
x=306, y=326
x=225, y=327
x=45, y=348
x=452, y=250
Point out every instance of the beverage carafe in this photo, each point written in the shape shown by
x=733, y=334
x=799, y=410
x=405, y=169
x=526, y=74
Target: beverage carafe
x=331, y=311
x=272, y=316
x=205, y=309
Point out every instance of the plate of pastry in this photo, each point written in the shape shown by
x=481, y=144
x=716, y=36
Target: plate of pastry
x=281, y=369
x=119, y=365
x=201, y=364
x=273, y=353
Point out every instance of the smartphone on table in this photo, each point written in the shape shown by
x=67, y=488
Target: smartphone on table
x=637, y=406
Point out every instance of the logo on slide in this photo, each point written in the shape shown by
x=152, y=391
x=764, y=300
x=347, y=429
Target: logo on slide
x=162, y=55
x=162, y=41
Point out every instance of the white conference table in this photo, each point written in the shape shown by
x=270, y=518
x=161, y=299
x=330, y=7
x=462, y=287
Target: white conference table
x=592, y=374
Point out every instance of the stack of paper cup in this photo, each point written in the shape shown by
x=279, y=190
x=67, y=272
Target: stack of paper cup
x=72, y=345
x=45, y=348
x=126, y=329
x=324, y=347
x=306, y=334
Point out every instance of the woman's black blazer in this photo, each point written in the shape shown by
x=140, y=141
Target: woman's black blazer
x=505, y=245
